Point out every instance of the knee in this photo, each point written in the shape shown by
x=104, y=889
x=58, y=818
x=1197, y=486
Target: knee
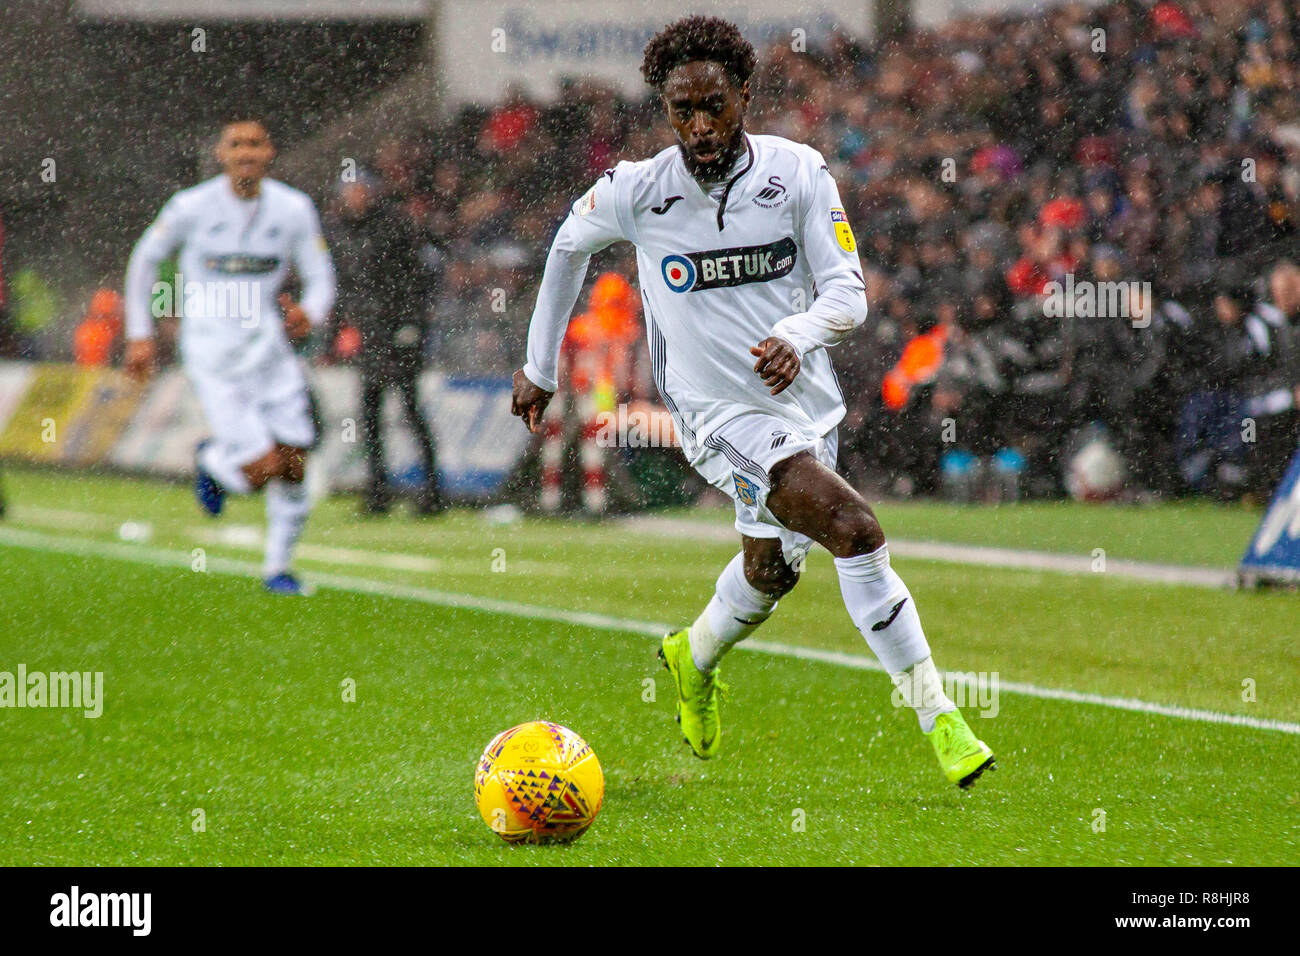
x=773, y=578
x=853, y=530
x=292, y=463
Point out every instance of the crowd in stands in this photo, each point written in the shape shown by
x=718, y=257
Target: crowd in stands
x=1135, y=142
x=981, y=165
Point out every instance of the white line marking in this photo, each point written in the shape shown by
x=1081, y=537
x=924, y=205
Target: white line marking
x=243, y=537
x=1066, y=563
x=143, y=554
x=1012, y=558
x=251, y=538
x=1032, y=690
x=1015, y=558
x=63, y=518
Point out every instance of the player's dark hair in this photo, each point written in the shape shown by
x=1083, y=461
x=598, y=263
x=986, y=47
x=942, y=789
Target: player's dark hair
x=232, y=117
x=698, y=38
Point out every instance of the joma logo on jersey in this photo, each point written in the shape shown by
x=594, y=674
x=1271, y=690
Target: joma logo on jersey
x=723, y=268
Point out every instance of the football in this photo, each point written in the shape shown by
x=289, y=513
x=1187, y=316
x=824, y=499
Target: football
x=538, y=783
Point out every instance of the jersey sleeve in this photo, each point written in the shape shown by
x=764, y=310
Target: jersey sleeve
x=598, y=217
x=311, y=258
x=159, y=241
x=595, y=221
x=840, y=303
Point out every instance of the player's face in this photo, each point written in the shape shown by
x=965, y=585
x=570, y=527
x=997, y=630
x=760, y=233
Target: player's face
x=245, y=151
x=707, y=112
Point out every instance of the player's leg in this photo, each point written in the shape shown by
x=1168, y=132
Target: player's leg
x=745, y=595
x=287, y=508
x=260, y=471
x=372, y=403
x=240, y=455
x=428, y=500
x=810, y=498
x=286, y=412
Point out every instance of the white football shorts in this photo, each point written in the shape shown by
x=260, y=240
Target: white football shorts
x=250, y=414
x=738, y=457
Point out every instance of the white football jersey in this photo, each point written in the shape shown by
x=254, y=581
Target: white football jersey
x=234, y=256
x=771, y=254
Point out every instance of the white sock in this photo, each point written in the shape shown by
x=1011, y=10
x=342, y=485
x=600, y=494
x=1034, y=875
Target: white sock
x=883, y=610
x=737, y=608
x=287, y=507
x=921, y=689
x=230, y=476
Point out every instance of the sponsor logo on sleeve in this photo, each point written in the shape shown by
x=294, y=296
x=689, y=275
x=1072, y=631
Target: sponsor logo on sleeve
x=587, y=203
x=843, y=234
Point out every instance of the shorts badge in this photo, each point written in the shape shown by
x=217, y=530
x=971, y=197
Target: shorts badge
x=746, y=490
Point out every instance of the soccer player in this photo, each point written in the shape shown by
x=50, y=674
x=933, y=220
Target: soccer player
x=748, y=273
x=238, y=234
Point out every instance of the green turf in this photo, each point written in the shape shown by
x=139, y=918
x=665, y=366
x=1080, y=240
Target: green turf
x=1184, y=532
x=223, y=699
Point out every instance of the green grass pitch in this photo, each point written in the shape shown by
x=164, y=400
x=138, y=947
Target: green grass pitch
x=222, y=699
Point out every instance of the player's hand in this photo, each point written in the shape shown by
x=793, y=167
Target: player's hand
x=139, y=359
x=778, y=363
x=296, y=323
x=528, y=401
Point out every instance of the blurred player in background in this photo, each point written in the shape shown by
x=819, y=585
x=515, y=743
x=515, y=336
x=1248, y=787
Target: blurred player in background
x=748, y=273
x=238, y=234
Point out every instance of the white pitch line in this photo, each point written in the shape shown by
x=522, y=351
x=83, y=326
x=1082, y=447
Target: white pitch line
x=1013, y=558
x=859, y=662
x=160, y=557
x=251, y=538
x=1065, y=563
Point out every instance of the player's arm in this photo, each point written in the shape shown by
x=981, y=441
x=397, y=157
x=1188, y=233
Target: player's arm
x=841, y=303
x=159, y=241
x=311, y=260
x=592, y=224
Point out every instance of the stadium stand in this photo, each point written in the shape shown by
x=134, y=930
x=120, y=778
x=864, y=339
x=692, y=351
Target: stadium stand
x=981, y=162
